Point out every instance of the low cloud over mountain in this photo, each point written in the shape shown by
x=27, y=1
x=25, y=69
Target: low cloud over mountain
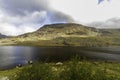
x=110, y=23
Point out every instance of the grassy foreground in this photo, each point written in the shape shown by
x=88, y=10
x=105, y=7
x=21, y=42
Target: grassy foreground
x=69, y=70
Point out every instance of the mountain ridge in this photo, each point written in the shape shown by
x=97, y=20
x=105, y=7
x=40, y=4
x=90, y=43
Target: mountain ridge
x=62, y=30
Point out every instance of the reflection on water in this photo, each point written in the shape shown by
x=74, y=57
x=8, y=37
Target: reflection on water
x=10, y=56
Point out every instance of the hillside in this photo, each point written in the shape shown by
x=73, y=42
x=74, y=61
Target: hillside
x=53, y=31
x=69, y=34
x=110, y=32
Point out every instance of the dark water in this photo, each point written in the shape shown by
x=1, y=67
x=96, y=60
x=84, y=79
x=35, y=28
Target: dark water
x=10, y=56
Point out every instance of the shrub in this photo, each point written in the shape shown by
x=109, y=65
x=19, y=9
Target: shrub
x=36, y=72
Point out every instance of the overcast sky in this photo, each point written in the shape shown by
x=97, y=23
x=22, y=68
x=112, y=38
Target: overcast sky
x=22, y=16
x=88, y=10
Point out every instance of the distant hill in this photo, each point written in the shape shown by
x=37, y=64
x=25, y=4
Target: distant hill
x=110, y=32
x=3, y=36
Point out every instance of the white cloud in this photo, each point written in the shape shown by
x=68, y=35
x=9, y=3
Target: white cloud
x=110, y=23
x=15, y=25
x=7, y=28
x=10, y=29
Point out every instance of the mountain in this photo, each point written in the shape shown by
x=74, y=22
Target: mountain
x=53, y=31
x=3, y=36
x=68, y=34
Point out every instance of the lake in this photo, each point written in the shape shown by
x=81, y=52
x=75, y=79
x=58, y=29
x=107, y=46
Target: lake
x=10, y=56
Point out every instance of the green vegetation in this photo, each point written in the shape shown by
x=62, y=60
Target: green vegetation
x=75, y=41
x=74, y=69
x=66, y=41
x=11, y=74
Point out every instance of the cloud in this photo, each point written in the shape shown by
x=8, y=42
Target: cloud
x=21, y=7
x=110, y=23
x=10, y=29
x=57, y=16
x=22, y=16
x=88, y=10
x=100, y=1
x=15, y=25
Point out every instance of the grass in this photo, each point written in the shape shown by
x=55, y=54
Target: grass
x=9, y=73
x=96, y=41
x=69, y=70
x=74, y=41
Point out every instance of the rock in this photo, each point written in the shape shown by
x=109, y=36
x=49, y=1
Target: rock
x=59, y=63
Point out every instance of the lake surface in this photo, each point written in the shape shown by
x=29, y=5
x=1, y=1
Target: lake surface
x=10, y=56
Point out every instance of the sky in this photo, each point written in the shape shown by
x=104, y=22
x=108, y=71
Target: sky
x=22, y=16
